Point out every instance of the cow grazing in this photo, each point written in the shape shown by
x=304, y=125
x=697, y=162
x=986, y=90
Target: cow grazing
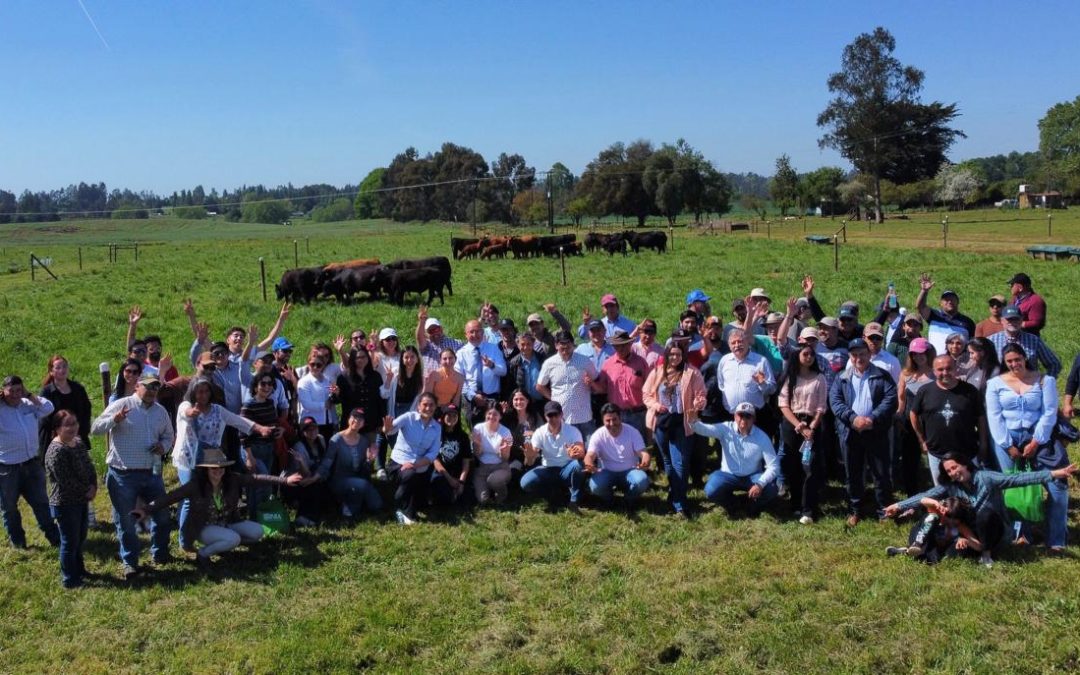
x=573, y=248
x=616, y=243
x=470, y=251
x=494, y=251
x=458, y=243
x=549, y=245
x=299, y=285
x=653, y=239
x=594, y=241
x=417, y=280
x=348, y=282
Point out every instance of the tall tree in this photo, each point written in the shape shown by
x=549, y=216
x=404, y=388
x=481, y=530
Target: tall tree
x=819, y=188
x=511, y=175
x=1059, y=144
x=876, y=120
x=8, y=204
x=784, y=186
x=367, y=204
x=613, y=181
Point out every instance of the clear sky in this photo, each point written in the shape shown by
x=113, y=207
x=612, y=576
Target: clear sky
x=168, y=95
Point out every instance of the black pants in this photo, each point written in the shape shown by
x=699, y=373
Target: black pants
x=862, y=449
x=907, y=445
x=412, y=487
x=989, y=528
x=804, y=484
x=311, y=501
x=829, y=444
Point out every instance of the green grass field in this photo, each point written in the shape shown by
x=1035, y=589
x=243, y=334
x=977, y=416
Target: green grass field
x=521, y=589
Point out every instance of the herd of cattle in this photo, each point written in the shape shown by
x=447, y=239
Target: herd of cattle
x=530, y=246
x=346, y=279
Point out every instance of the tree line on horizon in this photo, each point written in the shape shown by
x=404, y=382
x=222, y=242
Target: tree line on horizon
x=876, y=120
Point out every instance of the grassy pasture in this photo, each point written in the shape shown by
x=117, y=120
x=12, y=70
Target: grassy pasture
x=521, y=589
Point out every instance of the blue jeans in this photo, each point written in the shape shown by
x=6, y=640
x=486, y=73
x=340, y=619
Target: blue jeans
x=549, y=478
x=71, y=522
x=124, y=488
x=28, y=481
x=184, y=476
x=675, y=449
x=633, y=483
x=721, y=486
x=264, y=459
x=358, y=494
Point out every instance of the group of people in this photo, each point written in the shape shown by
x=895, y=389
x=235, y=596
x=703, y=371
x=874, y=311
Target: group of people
x=787, y=399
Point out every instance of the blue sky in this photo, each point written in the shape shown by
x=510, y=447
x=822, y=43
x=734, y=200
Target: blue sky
x=228, y=93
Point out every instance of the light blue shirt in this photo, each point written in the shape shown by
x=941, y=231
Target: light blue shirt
x=234, y=380
x=742, y=455
x=416, y=439
x=19, y=429
x=479, y=379
x=735, y=380
x=862, y=400
x=1034, y=411
x=596, y=356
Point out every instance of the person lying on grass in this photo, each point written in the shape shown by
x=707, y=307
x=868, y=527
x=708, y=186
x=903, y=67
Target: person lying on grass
x=945, y=532
x=982, y=488
x=214, y=493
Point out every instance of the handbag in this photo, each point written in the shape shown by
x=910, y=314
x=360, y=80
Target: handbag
x=273, y=516
x=1025, y=502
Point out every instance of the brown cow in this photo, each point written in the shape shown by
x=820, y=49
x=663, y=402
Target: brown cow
x=525, y=247
x=351, y=264
x=470, y=251
x=495, y=251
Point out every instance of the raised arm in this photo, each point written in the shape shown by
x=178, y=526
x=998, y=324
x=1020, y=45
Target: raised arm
x=133, y=324
x=283, y=315
x=925, y=284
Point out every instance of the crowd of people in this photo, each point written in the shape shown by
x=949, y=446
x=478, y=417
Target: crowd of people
x=757, y=409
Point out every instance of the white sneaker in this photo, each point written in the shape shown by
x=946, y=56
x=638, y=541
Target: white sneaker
x=806, y=520
x=346, y=511
x=404, y=519
x=380, y=475
x=985, y=560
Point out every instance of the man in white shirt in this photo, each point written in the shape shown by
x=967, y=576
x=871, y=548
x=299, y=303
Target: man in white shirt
x=743, y=376
x=21, y=472
x=561, y=450
x=482, y=364
x=617, y=459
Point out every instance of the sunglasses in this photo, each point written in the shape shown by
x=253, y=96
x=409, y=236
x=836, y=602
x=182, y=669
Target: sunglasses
x=550, y=415
x=153, y=386
x=874, y=338
x=358, y=337
x=141, y=350
x=317, y=364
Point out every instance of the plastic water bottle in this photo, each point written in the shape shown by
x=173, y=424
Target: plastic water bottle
x=807, y=451
x=155, y=467
x=892, y=295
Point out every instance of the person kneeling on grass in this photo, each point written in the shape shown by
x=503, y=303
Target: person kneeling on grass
x=347, y=468
x=982, y=488
x=617, y=459
x=748, y=460
x=214, y=493
x=945, y=532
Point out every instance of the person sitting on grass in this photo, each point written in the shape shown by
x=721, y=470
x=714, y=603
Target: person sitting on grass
x=945, y=532
x=347, y=468
x=748, y=460
x=982, y=488
x=454, y=461
x=214, y=494
x=617, y=459
x=491, y=444
x=312, y=501
x=415, y=449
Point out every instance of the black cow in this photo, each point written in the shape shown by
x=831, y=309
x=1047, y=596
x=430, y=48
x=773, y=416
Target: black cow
x=653, y=239
x=549, y=245
x=594, y=241
x=299, y=285
x=616, y=243
x=440, y=261
x=419, y=280
x=348, y=282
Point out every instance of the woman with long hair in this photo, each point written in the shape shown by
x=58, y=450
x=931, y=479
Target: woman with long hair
x=347, y=469
x=65, y=394
x=359, y=386
x=214, y=495
x=669, y=393
x=522, y=423
x=313, y=394
x=982, y=364
x=804, y=399
x=312, y=502
x=400, y=392
x=918, y=371
x=1021, y=411
x=126, y=380
x=491, y=444
x=445, y=382
x=387, y=354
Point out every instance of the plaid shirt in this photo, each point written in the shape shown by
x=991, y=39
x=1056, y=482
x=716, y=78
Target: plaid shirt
x=1033, y=346
x=130, y=441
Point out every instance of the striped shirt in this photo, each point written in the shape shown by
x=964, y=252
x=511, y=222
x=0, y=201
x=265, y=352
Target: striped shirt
x=1033, y=346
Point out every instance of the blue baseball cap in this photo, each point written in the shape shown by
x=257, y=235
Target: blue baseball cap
x=281, y=344
x=697, y=295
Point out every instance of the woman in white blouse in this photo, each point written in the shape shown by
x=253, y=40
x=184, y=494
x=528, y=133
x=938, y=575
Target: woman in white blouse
x=491, y=449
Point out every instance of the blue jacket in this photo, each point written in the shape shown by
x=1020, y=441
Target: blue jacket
x=882, y=393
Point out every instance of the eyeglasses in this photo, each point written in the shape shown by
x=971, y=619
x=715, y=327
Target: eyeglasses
x=875, y=338
x=317, y=364
x=209, y=366
x=140, y=350
x=358, y=337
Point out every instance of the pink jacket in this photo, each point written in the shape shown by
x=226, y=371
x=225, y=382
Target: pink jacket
x=691, y=385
